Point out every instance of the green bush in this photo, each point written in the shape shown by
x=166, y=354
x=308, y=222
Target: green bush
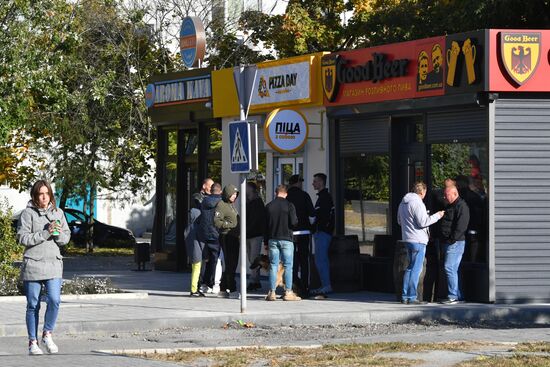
x=10, y=251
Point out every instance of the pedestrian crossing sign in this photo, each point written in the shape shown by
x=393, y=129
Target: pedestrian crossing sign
x=239, y=144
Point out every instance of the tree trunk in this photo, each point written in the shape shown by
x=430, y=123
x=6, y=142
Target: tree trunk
x=92, y=210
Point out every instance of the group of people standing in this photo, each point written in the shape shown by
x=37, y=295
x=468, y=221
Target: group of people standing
x=415, y=221
x=283, y=228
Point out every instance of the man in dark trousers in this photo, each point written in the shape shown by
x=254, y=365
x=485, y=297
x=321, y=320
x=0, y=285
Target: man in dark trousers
x=302, y=233
x=208, y=234
x=226, y=220
x=255, y=231
x=324, y=223
x=281, y=218
x=453, y=229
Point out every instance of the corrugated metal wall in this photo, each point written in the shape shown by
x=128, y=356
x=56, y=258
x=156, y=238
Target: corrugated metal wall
x=522, y=200
x=369, y=136
x=457, y=125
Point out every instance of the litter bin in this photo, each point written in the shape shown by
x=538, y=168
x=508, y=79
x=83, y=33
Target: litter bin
x=142, y=254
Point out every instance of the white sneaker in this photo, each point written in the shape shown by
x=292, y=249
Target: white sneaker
x=216, y=289
x=50, y=345
x=34, y=349
x=234, y=295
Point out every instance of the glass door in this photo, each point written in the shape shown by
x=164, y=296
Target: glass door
x=287, y=167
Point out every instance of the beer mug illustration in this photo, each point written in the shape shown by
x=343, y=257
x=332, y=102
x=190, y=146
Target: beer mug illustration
x=452, y=58
x=469, y=52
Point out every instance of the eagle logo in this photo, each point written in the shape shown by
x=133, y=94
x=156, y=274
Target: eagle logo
x=520, y=54
x=328, y=76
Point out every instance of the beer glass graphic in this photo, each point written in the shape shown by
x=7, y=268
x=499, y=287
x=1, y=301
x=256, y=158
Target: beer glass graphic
x=469, y=52
x=452, y=58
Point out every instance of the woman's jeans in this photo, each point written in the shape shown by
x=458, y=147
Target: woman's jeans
x=284, y=250
x=453, y=256
x=322, y=243
x=53, y=297
x=415, y=253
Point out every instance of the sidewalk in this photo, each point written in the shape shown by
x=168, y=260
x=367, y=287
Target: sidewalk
x=168, y=305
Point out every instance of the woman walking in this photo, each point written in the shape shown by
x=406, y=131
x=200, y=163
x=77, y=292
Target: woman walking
x=42, y=229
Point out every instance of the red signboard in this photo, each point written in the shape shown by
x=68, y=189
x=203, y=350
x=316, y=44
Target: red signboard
x=404, y=70
x=519, y=60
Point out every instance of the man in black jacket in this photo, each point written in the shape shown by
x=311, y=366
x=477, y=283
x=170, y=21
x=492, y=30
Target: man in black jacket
x=453, y=228
x=208, y=234
x=324, y=222
x=302, y=233
x=281, y=218
x=255, y=231
x=198, y=197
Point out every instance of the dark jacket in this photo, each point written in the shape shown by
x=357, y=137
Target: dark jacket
x=193, y=244
x=226, y=218
x=455, y=221
x=206, y=230
x=255, y=218
x=281, y=219
x=197, y=198
x=304, y=207
x=324, y=212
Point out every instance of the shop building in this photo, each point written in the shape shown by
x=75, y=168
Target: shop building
x=291, y=85
x=188, y=150
x=474, y=107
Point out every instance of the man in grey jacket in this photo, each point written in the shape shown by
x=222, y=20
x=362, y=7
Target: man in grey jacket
x=414, y=222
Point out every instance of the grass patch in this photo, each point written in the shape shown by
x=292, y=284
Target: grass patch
x=328, y=355
x=100, y=251
x=533, y=347
x=514, y=361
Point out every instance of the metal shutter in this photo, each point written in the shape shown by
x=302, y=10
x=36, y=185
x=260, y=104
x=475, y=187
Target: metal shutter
x=458, y=125
x=365, y=135
x=522, y=200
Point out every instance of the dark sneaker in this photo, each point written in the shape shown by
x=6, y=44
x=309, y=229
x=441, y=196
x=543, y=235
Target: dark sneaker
x=405, y=301
x=449, y=301
x=416, y=302
x=196, y=294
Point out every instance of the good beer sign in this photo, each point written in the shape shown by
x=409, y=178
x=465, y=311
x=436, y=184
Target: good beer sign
x=286, y=130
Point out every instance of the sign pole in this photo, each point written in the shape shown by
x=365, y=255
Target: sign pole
x=242, y=110
x=245, y=77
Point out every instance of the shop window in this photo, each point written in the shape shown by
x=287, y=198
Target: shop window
x=171, y=186
x=214, y=140
x=366, y=197
x=466, y=163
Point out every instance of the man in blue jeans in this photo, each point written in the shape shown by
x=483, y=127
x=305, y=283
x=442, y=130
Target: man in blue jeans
x=281, y=219
x=453, y=230
x=414, y=221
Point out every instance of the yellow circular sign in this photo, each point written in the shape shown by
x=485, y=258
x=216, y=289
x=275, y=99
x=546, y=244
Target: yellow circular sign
x=286, y=130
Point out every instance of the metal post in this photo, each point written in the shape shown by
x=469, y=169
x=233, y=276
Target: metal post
x=243, y=208
x=243, y=242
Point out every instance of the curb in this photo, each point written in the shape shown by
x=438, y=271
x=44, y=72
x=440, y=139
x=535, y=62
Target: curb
x=83, y=297
x=449, y=314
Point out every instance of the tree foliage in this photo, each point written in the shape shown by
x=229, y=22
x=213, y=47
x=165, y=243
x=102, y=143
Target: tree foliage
x=324, y=25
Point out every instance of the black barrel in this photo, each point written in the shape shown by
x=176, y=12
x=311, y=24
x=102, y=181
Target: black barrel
x=400, y=264
x=345, y=269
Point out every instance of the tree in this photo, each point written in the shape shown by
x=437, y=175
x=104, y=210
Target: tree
x=327, y=25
